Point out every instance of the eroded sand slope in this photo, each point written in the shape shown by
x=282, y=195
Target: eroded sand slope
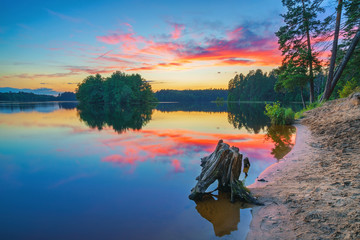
x=314, y=193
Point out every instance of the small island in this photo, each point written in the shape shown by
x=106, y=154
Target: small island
x=118, y=89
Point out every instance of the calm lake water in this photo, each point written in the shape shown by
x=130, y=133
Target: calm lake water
x=73, y=172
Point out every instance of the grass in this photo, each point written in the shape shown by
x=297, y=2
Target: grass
x=300, y=114
x=286, y=116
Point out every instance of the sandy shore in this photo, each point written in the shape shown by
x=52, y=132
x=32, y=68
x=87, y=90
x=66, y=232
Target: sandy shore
x=314, y=193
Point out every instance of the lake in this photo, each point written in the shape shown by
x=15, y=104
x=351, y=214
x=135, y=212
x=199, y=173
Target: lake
x=80, y=172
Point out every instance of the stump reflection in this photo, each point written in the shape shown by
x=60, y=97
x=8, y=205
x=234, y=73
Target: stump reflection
x=224, y=215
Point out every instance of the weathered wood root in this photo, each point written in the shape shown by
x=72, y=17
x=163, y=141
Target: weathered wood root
x=224, y=165
x=239, y=191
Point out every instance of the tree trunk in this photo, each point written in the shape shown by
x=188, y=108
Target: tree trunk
x=302, y=97
x=342, y=65
x=224, y=165
x=310, y=61
x=330, y=77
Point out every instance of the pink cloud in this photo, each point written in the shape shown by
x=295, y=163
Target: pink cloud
x=236, y=33
x=177, y=165
x=127, y=159
x=241, y=46
x=178, y=28
x=174, y=146
x=116, y=38
x=171, y=143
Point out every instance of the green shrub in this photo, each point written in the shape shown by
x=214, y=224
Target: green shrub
x=279, y=115
x=350, y=87
x=299, y=115
x=289, y=116
x=311, y=106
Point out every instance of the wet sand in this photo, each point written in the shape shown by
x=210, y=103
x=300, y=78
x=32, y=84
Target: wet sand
x=314, y=192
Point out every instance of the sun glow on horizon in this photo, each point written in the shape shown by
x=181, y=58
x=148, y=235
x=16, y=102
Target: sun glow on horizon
x=191, y=52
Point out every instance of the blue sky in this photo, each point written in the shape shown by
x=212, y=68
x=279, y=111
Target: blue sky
x=175, y=44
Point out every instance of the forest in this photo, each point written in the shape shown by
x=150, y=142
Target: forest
x=119, y=88
x=32, y=97
x=308, y=73
x=316, y=41
x=119, y=118
x=191, y=95
x=261, y=86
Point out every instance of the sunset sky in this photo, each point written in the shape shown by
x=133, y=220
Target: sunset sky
x=173, y=44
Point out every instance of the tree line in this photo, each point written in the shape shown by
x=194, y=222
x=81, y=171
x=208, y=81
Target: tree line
x=256, y=86
x=118, y=89
x=303, y=76
x=32, y=97
x=167, y=95
x=120, y=118
x=261, y=86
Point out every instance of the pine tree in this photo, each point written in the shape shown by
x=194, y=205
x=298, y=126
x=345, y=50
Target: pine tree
x=348, y=47
x=295, y=40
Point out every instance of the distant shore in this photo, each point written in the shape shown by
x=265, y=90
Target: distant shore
x=314, y=192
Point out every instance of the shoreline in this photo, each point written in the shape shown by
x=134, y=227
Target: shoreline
x=269, y=174
x=314, y=192
x=274, y=213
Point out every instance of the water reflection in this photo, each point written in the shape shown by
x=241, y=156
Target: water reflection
x=224, y=215
x=64, y=173
x=282, y=137
x=192, y=106
x=248, y=116
x=45, y=107
x=120, y=118
x=68, y=105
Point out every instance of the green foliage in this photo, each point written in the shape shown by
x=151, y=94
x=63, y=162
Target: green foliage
x=23, y=96
x=281, y=137
x=289, y=116
x=300, y=114
x=350, y=87
x=190, y=95
x=118, y=89
x=209, y=107
x=31, y=97
x=279, y=115
x=352, y=13
x=300, y=59
x=66, y=96
x=219, y=99
x=349, y=27
x=249, y=116
x=120, y=118
x=292, y=76
x=260, y=86
x=91, y=90
x=351, y=73
x=257, y=86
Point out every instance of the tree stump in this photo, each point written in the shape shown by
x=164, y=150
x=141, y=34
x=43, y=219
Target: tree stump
x=224, y=165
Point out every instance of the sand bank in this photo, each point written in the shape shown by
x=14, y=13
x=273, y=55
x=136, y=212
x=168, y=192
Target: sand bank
x=314, y=192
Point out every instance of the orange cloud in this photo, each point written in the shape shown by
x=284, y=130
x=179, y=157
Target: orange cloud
x=242, y=46
x=126, y=50
x=180, y=144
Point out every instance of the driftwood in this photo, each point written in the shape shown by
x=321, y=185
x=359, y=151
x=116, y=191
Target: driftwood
x=224, y=165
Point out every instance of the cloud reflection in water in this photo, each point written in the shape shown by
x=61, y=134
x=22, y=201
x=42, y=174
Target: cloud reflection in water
x=180, y=147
